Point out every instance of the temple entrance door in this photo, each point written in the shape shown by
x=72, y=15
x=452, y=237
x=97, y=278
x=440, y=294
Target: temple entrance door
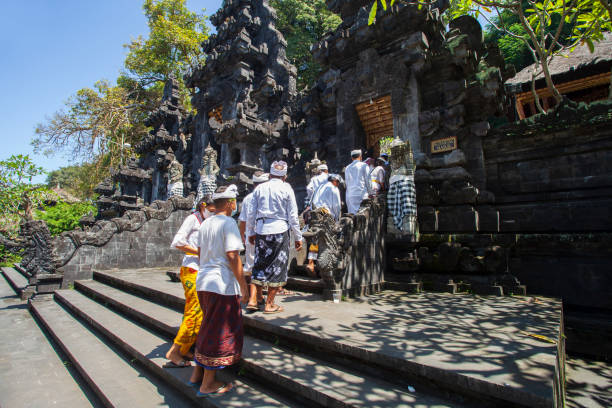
x=377, y=120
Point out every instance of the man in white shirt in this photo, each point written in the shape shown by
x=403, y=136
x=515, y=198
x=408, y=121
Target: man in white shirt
x=186, y=240
x=221, y=287
x=272, y=215
x=249, y=257
x=328, y=197
x=317, y=181
x=378, y=176
x=357, y=178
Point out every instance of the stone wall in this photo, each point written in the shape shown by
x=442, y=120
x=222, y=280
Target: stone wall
x=138, y=239
x=553, y=173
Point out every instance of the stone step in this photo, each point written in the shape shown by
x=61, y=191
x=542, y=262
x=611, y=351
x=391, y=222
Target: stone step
x=31, y=371
x=513, y=371
x=149, y=349
x=114, y=380
x=14, y=278
x=305, y=284
x=320, y=382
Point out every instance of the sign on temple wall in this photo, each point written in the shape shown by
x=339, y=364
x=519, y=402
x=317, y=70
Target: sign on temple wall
x=444, y=145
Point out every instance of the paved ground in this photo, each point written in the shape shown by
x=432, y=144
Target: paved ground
x=589, y=383
x=31, y=373
x=487, y=338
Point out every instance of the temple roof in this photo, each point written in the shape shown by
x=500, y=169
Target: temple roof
x=576, y=61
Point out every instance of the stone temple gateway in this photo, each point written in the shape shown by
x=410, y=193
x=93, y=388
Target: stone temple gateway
x=494, y=205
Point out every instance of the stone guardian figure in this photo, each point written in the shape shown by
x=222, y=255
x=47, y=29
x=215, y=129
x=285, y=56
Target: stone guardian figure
x=208, y=174
x=401, y=198
x=175, y=179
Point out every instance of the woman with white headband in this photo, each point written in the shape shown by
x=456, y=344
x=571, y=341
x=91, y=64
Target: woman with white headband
x=186, y=240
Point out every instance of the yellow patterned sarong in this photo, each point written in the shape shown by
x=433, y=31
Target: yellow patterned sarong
x=192, y=316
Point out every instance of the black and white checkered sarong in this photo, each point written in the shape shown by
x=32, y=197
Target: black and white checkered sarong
x=401, y=199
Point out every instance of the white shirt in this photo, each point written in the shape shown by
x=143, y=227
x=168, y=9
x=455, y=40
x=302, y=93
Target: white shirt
x=245, y=207
x=218, y=235
x=357, y=176
x=188, y=235
x=314, y=184
x=378, y=178
x=328, y=197
x=273, y=210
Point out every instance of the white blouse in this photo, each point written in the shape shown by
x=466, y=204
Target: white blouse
x=188, y=235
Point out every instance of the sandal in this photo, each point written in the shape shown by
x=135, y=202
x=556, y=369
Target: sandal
x=285, y=292
x=181, y=364
x=215, y=393
x=277, y=309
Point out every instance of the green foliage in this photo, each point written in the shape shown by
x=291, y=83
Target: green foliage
x=303, y=23
x=172, y=48
x=78, y=180
x=18, y=196
x=545, y=27
x=8, y=258
x=64, y=216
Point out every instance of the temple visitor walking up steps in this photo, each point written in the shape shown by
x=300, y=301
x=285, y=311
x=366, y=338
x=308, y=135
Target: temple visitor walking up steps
x=378, y=176
x=186, y=240
x=272, y=215
x=249, y=256
x=357, y=178
x=221, y=287
x=317, y=181
x=328, y=197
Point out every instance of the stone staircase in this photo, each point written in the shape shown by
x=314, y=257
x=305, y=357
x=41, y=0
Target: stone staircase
x=116, y=328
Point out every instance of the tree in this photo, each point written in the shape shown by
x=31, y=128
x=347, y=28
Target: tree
x=18, y=196
x=588, y=20
x=172, y=48
x=78, y=180
x=303, y=23
x=98, y=123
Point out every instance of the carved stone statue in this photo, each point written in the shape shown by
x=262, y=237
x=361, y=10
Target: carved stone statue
x=328, y=234
x=401, y=198
x=208, y=174
x=175, y=179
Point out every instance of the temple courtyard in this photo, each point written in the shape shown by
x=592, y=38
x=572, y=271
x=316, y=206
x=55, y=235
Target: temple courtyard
x=102, y=343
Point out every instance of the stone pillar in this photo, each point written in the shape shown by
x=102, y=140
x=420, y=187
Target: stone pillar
x=406, y=125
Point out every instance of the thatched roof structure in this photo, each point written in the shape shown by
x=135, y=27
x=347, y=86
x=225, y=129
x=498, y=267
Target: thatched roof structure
x=580, y=63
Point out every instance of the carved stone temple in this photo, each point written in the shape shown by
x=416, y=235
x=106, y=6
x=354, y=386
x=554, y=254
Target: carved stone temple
x=500, y=208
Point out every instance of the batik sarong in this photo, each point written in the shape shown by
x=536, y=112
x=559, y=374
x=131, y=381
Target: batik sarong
x=220, y=339
x=192, y=316
x=271, y=259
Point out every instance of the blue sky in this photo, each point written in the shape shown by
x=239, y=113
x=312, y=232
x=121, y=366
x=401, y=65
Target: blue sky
x=52, y=48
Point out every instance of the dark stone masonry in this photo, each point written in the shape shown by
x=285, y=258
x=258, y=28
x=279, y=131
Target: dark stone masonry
x=501, y=210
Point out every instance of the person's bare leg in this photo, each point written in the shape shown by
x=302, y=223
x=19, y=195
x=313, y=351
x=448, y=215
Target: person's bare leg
x=174, y=354
x=270, y=306
x=210, y=383
x=252, y=295
x=197, y=374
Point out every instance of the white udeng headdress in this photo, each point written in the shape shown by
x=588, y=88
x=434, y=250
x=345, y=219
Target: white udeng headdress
x=261, y=178
x=230, y=192
x=356, y=152
x=278, y=168
x=322, y=167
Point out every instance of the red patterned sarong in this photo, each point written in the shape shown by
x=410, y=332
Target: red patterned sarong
x=220, y=339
